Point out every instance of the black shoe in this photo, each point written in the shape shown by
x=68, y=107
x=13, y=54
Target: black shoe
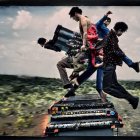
x=75, y=86
x=70, y=93
x=68, y=86
x=135, y=66
x=134, y=102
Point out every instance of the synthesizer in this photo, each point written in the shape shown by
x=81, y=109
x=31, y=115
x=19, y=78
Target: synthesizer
x=82, y=113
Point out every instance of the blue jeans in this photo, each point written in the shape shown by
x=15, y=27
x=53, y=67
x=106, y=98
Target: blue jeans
x=128, y=61
x=99, y=80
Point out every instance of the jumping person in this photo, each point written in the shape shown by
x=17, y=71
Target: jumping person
x=89, y=37
x=102, y=30
x=113, y=56
x=47, y=44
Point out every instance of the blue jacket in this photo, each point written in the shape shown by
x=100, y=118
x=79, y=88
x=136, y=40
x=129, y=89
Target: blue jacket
x=102, y=30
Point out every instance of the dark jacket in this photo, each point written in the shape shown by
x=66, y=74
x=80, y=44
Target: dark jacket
x=50, y=45
x=113, y=55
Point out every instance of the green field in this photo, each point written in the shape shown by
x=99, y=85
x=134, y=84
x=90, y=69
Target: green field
x=24, y=102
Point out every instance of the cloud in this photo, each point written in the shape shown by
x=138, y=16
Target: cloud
x=3, y=50
x=9, y=20
x=2, y=33
x=137, y=40
x=15, y=34
x=2, y=47
x=58, y=18
x=1, y=22
x=23, y=20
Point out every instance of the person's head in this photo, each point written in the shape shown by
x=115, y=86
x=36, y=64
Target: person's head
x=41, y=41
x=75, y=12
x=120, y=28
x=107, y=21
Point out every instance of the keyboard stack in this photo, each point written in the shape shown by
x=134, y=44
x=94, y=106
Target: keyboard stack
x=83, y=115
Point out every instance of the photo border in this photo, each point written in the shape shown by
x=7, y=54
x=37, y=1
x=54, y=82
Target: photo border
x=70, y=3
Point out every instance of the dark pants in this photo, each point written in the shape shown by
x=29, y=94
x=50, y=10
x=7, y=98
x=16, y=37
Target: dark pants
x=86, y=74
x=89, y=71
x=111, y=85
x=62, y=65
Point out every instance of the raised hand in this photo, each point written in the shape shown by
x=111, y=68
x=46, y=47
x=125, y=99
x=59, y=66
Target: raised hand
x=108, y=13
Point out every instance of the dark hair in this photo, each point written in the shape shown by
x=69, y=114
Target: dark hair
x=75, y=10
x=108, y=19
x=41, y=41
x=121, y=26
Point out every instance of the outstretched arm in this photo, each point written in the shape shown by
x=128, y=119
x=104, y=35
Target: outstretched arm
x=108, y=13
x=101, y=21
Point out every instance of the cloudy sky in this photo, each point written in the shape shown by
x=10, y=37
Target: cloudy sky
x=20, y=27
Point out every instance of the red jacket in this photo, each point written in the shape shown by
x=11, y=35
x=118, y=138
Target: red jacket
x=92, y=37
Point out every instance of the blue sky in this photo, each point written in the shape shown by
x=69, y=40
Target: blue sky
x=21, y=26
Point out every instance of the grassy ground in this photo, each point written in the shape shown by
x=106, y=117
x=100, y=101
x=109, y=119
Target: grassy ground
x=24, y=102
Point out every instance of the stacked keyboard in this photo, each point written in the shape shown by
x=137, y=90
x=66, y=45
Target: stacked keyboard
x=80, y=113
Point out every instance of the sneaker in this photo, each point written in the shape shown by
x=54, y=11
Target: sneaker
x=135, y=66
x=134, y=102
x=70, y=93
x=75, y=86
